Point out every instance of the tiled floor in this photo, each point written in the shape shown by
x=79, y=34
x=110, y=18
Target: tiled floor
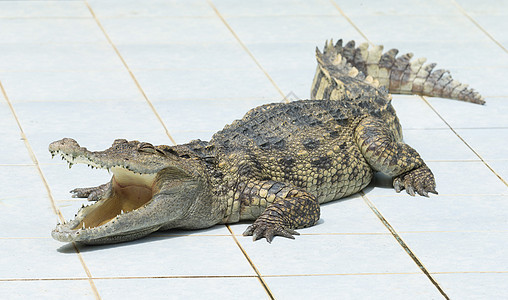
x=171, y=71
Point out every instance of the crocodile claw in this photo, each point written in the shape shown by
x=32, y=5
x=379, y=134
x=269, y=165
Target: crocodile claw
x=93, y=194
x=269, y=231
x=419, y=181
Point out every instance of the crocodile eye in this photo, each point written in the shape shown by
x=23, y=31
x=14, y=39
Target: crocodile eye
x=146, y=147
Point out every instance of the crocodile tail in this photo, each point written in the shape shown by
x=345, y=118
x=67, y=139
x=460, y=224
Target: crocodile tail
x=399, y=74
x=335, y=77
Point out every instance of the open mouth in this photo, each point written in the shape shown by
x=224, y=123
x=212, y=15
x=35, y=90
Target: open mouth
x=129, y=191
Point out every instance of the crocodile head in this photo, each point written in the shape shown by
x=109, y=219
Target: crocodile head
x=151, y=188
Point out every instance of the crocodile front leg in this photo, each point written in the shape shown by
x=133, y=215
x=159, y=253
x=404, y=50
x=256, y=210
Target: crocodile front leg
x=394, y=158
x=92, y=193
x=288, y=208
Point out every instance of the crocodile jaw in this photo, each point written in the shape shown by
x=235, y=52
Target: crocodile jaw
x=113, y=218
x=151, y=188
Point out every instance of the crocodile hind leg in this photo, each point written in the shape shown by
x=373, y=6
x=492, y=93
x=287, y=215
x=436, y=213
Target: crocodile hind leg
x=397, y=159
x=92, y=193
x=288, y=208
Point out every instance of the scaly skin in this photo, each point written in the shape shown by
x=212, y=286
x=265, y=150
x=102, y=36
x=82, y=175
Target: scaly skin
x=274, y=166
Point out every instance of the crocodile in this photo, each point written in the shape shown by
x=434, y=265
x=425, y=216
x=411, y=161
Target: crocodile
x=274, y=166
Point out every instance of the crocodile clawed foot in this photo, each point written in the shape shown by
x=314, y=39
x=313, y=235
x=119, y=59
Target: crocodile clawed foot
x=419, y=181
x=260, y=230
x=92, y=194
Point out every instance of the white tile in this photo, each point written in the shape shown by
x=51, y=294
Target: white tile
x=207, y=84
x=387, y=286
x=494, y=25
x=474, y=285
x=14, y=179
x=275, y=9
x=347, y=215
x=466, y=115
x=70, y=86
x=47, y=289
x=440, y=144
x=166, y=30
x=294, y=83
x=50, y=30
x=466, y=178
x=26, y=217
x=292, y=55
x=488, y=143
x=80, y=116
x=328, y=254
x=488, y=7
x=182, y=288
x=291, y=65
x=384, y=29
x=460, y=251
x=390, y=8
x=414, y=113
x=204, y=115
x=38, y=258
x=25, y=209
x=7, y=120
x=43, y=9
x=150, y=8
x=12, y=148
x=59, y=57
x=444, y=213
x=181, y=256
x=500, y=167
x=291, y=29
x=184, y=57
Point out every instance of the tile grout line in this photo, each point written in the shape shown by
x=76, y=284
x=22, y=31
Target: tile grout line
x=258, y=275
x=238, y=276
x=244, y=47
x=35, y=162
x=371, y=205
x=402, y=244
x=464, y=12
x=465, y=143
x=136, y=82
x=48, y=190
